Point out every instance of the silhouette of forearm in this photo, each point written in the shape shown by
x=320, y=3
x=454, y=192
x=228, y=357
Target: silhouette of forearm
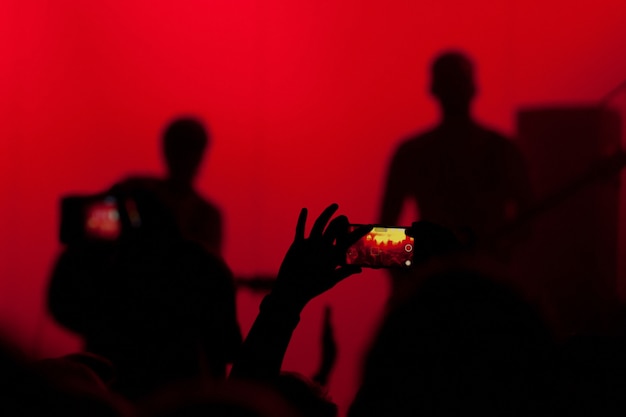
x=311, y=267
x=264, y=348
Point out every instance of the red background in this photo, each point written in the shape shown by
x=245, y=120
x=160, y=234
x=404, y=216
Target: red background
x=306, y=101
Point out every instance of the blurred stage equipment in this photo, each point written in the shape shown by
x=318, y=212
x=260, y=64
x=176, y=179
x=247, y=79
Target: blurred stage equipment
x=574, y=159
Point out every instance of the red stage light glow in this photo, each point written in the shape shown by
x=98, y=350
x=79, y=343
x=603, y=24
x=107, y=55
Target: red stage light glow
x=306, y=102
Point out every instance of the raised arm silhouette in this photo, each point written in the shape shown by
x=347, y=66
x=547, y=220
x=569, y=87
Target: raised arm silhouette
x=311, y=266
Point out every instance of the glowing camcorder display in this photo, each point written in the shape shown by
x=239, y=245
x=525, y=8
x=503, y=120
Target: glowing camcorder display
x=383, y=247
x=102, y=220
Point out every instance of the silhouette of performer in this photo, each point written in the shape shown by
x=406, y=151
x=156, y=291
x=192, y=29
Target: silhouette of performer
x=185, y=141
x=462, y=175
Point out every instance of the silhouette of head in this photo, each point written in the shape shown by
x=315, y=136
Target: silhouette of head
x=184, y=142
x=452, y=82
x=462, y=344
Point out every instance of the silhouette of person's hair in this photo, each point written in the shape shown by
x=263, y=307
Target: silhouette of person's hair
x=461, y=345
x=157, y=305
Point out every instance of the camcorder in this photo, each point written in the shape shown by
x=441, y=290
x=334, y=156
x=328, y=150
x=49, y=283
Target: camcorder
x=382, y=247
x=104, y=217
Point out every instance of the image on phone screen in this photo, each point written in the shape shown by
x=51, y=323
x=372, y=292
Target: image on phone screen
x=382, y=247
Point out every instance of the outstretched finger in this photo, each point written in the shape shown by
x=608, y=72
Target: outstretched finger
x=322, y=220
x=301, y=224
x=336, y=228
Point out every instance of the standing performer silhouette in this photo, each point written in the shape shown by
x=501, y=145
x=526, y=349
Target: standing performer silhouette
x=461, y=174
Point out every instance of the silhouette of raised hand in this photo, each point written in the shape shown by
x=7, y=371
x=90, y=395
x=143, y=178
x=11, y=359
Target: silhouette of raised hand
x=315, y=264
x=311, y=266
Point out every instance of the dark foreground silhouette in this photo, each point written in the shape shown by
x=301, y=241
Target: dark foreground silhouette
x=463, y=341
x=158, y=306
x=462, y=344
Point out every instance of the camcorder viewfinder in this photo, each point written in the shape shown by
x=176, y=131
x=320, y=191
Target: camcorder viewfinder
x=382, y=247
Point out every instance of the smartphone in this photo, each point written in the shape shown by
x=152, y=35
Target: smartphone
x=90, y=218
x=382, y=247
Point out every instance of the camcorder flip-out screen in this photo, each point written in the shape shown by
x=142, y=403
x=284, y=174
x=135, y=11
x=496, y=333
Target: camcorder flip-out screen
x=382, y=247
x=93, y=218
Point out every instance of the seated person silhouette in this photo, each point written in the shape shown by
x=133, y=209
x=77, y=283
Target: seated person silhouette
x=460, y=174
x=158, y=306
x=185, y=141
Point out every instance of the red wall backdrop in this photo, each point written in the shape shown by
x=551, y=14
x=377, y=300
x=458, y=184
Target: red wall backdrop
x=306, y=101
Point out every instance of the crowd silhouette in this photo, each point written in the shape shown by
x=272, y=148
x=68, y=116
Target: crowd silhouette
x=155, y=303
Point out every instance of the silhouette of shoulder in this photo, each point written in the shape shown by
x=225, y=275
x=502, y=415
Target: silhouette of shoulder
x=457, y=136
x=475, y=145
x=460, y=175
x=198, y=218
